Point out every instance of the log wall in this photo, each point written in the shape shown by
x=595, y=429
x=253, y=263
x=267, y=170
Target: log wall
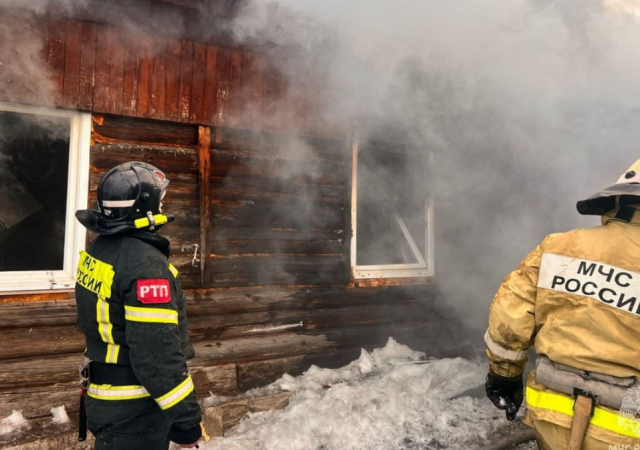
x=260, y=190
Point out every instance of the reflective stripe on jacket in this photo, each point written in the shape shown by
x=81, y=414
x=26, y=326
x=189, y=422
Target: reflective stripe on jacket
x=131, y=309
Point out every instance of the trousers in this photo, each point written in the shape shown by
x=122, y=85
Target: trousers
x=127, y=424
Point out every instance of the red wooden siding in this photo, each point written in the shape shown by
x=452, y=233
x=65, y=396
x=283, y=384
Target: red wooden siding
x=104, y=69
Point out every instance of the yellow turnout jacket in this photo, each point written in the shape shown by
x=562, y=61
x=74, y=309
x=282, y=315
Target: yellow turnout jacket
x=576, y=297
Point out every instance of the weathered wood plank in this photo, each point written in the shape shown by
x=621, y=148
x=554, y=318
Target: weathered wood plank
x=158, y=82
x=71, y=87
x=223, y=77
x=87, y=65
x=145, y=73
x=173, y=80
x=103, y=55
x=186, y=75
x=197, y=83
x=131, y=75
x=209, y=99
x=269, y=102
x=236, y=96
x=56, y=56
x=116, y=72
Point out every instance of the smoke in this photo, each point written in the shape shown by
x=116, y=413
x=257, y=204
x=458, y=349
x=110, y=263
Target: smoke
x=525, y=106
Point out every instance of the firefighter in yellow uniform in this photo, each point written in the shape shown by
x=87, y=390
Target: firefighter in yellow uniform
x=576, y=297
x=131, y=310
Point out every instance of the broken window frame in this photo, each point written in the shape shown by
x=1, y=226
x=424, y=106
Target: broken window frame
x=423, y=269
x=77, y=198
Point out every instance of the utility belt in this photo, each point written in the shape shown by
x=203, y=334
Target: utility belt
x=608, y=390
x=112, y=374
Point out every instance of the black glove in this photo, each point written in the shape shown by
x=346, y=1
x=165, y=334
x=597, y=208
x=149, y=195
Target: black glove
x=506, y=393
x=180, y=436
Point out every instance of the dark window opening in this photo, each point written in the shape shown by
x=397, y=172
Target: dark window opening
x=391, y=208
x=34, y=165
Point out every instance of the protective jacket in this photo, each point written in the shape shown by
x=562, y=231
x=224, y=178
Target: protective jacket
x=132, y=311
x=577, y=297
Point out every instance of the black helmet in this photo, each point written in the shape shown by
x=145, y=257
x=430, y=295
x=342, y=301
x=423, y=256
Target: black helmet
x=129, y=197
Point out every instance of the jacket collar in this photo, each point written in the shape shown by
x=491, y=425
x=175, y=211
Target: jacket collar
x=156, y=241
x=614, y=215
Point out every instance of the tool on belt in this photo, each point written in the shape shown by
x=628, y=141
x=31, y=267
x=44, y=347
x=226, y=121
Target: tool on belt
x=82, y=415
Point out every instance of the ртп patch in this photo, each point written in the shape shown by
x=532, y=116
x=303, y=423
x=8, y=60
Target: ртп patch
x=154, y=291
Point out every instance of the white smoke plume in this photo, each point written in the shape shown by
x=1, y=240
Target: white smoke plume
x=526, y=106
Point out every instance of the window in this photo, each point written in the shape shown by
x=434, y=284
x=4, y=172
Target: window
x=392, y=213
x=44, y=179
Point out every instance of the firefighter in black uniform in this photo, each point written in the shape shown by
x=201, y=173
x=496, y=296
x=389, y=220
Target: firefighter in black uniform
x=131, y=309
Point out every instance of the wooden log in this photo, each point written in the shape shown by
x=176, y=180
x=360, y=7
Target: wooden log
x=238, y=247
x=178, y=160
x=277, y=263
x=127, y=131
x=218, y=233
x=240, y=143
x=248, y=190
x=256, y=374
x=316, y=173
x=274, y=215
x=36, y=402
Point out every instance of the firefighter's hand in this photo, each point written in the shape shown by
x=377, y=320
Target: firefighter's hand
x=506, y=393
x=185, y=438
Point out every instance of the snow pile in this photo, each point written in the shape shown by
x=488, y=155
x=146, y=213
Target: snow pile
x=388, y=399
x=13, y=422
x=59, y=415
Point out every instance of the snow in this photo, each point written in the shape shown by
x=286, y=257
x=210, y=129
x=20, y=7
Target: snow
x=59, y=415
x=13, y=422
x=391, y=398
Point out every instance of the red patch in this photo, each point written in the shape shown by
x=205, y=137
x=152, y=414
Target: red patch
x=154, y=291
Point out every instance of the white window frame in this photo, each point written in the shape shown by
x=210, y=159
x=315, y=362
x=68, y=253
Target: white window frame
x=77, y=198
x=423, y=269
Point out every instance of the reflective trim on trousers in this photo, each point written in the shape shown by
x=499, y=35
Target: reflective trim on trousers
x=602, y=418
